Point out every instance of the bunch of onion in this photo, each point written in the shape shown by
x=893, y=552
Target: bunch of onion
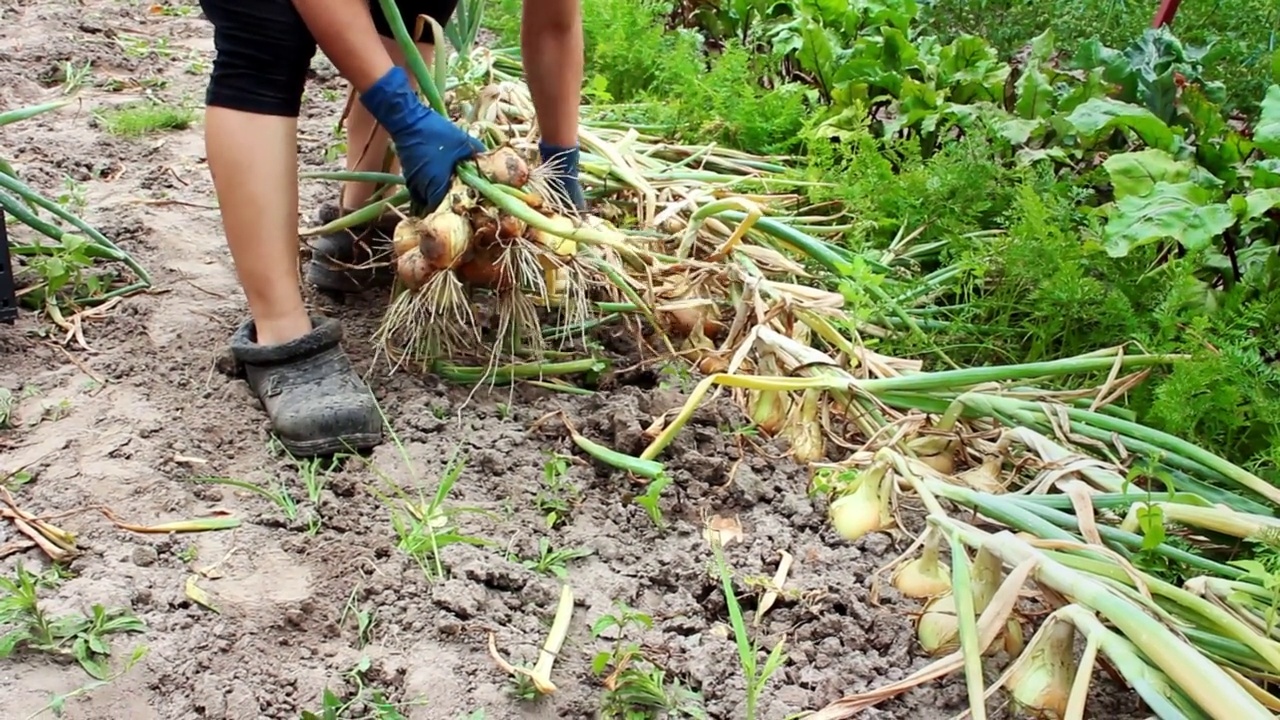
x=1155, y=646
x=938, y=628
x=499, y=181
x=467, y=244
x=862, y=400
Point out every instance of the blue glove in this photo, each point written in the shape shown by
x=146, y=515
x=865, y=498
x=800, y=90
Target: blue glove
x=428, y=144
x=564, y=165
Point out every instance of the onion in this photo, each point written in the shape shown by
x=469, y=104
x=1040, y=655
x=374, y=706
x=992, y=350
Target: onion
x=505, y=167
x=405, y=237
x=768, y=409
x=938, y=628
x=925, y=576
x=564, y=247
x=985, y=477
x=483, y=268
x=936, y=451
x=804, y=429
x=1041, y=677
x=510, y=227
x=412, y=269
x=711, y=363
x=445, y=239
x=484, y=227
x=685, y=318
x=866, y=509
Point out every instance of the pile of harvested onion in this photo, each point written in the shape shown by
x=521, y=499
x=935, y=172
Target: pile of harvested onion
x=479, y=243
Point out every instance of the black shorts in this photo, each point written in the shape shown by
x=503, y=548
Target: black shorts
x=263, y=50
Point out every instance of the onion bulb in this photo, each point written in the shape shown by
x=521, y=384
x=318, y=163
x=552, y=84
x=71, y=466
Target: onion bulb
x=504, y=166
x=936, y=451
x=510, y=227
x=564, y=247
x=710, y=363
x=405, y=237
x=938, y=628
x=445, y=239
x=484, y=227
x=804, y=429
x=412, y=269
x=768, y=409
x=691, y=317
x=1041, y=677
x=866, y=509
x=461, y=198
x=483, y=267
x=985, y=477
x=925, y=576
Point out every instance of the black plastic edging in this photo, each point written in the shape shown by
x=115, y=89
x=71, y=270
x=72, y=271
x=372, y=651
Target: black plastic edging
x=8, y=301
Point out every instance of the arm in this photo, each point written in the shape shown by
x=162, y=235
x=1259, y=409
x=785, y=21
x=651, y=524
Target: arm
x=344, y=31
x=552, y=47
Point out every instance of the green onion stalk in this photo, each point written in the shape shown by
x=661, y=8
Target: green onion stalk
x=1190, y=672
x=1170, y=450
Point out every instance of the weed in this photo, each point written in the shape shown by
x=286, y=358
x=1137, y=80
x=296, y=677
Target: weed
x=278, y=494
x=145, y=117
x=365, y=619
x=16, y=479
x=141, y=46
x=74, y=75
x=756, y=676
x=425, y=527
x=83, y=638
x=652, y=496
x=558, y=496
x=553, y=562
x=366, y=703
x=62, y=276
x=636, y=688
x=58, y=703
x=8, y=403
x=73, y=195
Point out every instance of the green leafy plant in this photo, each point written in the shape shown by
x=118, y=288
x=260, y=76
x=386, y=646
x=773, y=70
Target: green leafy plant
x=755, y=674
x=86, y=639
x=635, y=687
x=426, y=526
x=367, y=702
x=558, y=496
x=553, y=562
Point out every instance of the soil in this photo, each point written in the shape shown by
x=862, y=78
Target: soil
x=133, y=422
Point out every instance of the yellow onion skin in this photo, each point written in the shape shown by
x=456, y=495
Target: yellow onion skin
x=916, y=579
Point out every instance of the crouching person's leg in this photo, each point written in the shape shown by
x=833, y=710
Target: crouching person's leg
x=361, y=258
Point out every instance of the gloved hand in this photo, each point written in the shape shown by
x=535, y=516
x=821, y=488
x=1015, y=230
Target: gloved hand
x=428, y=144
x=564, y=164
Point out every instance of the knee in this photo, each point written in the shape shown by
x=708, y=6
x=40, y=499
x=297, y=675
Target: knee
x=261, y=59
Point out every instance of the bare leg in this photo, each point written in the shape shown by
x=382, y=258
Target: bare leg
x=363, y=154
x=254, y=161
x=552, y=48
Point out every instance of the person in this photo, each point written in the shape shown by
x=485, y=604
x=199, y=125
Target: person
x=293, y=361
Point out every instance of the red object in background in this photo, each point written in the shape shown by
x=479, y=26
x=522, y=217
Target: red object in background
x=1164, y=15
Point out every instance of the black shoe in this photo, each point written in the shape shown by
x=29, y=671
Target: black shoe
x=353, y=260
x=317, y=403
